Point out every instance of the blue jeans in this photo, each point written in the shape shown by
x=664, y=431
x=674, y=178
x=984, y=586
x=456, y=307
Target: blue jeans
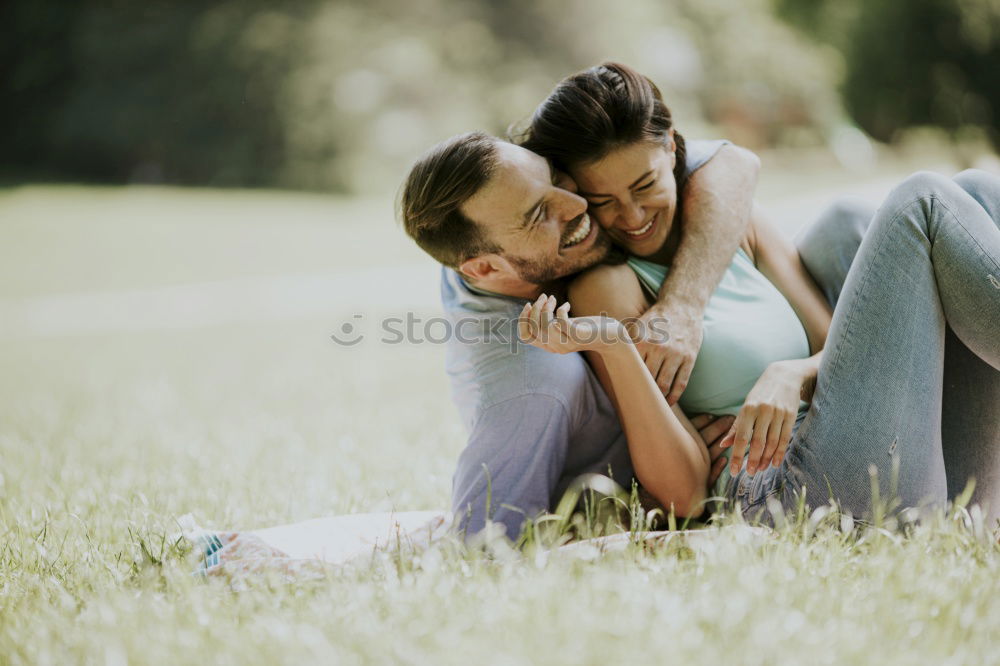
x=910, y=376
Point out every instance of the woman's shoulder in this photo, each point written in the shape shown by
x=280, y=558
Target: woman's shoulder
x=613, y=289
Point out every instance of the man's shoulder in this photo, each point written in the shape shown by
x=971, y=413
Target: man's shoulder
x=699, y=151
x=488, y=363
x=503, y=368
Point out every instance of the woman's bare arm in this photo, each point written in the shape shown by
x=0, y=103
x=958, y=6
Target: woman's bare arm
x=670, y=458
x=766, y=420
x=778, y=259
x=716, y=209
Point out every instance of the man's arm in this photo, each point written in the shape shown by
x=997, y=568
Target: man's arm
x=714, y=218
x=512, y=463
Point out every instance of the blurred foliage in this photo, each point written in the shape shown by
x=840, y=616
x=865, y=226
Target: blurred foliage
x=116, y=91
x=343, y=95
x=912, y=62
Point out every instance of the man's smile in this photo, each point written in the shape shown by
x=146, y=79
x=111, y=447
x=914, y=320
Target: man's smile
x=582, y=229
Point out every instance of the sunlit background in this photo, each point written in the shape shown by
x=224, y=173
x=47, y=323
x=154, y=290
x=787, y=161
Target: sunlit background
x=341, y=96
x=195, y=195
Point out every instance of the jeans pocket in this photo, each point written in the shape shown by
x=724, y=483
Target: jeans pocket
x=759, y=487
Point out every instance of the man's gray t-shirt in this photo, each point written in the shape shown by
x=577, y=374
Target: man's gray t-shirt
x=536, y=420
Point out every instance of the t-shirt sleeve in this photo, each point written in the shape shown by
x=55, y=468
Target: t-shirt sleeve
x=511, y=463
x=701, y=151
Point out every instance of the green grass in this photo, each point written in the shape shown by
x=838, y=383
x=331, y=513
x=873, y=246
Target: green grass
x=106, y=439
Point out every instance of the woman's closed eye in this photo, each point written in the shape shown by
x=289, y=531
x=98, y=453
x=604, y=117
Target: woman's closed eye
x=642, y=188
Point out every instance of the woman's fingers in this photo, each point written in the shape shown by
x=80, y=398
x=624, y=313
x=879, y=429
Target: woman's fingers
x=544, y=325
x=758, y=438
x=783, y=441
x=529, y=324
x=773, y=436
x=524, y=323
x=536, y=318
x=548, y=309
x=562, y=312
x=741, y=433
x=561, y=322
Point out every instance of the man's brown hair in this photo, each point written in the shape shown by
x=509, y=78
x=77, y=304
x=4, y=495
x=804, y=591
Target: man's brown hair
x=443, y=179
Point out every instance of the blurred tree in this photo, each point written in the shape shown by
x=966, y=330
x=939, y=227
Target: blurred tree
x=160, y=91
x=36, y=75
x=912, y=62
x=341, y=95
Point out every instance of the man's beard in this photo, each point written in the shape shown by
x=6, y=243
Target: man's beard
x=543, y=272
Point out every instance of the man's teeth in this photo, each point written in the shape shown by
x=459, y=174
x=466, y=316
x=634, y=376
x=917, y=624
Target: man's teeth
x=581, y=232
x=639, y=232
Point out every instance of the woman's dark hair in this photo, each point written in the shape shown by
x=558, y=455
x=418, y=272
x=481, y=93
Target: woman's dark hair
x=592, y=113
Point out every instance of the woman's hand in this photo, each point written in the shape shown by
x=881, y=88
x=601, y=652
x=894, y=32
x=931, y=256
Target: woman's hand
x=766, y=419
x=544, y=326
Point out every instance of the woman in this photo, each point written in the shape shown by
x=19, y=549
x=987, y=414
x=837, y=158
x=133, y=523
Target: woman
x=922, y=298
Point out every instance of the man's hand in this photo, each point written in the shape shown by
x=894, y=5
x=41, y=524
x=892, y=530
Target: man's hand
x=714, y=219
x=713, y=430
x=668, y=341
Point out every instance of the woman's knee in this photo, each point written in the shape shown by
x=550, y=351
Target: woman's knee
x=920, y=186
x=981, y=185
x=975, y=179
x=848, y=216
x=843, y=222
x=919, y=191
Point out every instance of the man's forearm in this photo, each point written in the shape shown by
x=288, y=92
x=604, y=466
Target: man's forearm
x=714, y=218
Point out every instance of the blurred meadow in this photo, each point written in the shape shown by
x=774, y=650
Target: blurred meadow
x=197, y=196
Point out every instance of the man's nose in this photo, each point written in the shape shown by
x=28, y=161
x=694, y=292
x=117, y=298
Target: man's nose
x=573, y=205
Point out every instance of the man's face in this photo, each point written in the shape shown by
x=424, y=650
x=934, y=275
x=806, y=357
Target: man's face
x=536, y=217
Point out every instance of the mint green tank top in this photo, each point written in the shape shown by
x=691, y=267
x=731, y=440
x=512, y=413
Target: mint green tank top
x=748, y=324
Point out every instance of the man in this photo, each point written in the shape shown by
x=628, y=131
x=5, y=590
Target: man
x=505, y=228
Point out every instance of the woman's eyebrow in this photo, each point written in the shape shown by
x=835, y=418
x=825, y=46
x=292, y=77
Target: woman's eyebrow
x=634, y=183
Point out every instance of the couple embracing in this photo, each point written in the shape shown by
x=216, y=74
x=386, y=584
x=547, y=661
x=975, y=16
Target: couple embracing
x=869, y=345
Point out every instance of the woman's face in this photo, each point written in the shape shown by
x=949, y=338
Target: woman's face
x=632, y=194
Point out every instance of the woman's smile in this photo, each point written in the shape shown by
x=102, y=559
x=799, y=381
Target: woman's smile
x=649, y=239
x=643, y=232
x=632, y=194
x=639, y=233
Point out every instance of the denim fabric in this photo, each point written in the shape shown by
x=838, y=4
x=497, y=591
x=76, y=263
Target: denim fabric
x=910, y=376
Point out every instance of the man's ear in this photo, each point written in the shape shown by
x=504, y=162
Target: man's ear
x=485, y=268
